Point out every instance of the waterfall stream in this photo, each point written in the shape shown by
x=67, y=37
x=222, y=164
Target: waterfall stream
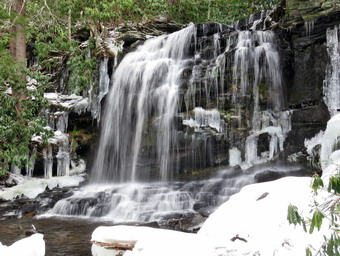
x=139, y=138
x=144, y=90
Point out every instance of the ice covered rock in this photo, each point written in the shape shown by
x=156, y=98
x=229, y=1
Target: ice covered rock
x=69, y=102
x=32, y=187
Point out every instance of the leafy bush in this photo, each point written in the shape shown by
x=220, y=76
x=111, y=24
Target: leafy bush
x=331, y=244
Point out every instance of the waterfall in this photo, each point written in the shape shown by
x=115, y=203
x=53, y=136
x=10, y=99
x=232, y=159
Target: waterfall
x=190, y=75
x=331, y=85
x=144, y=92
x=257, y=62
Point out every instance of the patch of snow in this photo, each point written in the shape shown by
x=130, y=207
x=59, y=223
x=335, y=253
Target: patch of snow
x=70, y=102
x=29, y=246
x=9, y=91
x=32, y=187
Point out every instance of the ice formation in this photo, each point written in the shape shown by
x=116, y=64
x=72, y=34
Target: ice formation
x=330, y=141
x=331, y=87
x=205, y=118
x=235, y=157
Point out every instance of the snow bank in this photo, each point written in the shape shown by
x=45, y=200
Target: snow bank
x=30, y=246
x=263, y=222
x=32, y=187
x=151, y=241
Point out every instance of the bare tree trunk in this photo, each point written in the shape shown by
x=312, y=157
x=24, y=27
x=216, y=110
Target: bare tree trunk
x=18, y=43
x=18, y=49
x=209, y=9
x=69, y=24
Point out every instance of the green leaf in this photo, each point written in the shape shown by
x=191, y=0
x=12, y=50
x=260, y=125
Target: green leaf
x=316, y=221
x=293, y=216
x=334, y=184
x=308, y=252
x=317, y=183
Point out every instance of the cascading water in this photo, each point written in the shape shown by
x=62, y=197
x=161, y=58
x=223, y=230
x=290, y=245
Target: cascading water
x=144, y=90
x=139, y=135
x=256, y=69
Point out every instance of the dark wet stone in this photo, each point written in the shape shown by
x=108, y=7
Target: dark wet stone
x=268, y=176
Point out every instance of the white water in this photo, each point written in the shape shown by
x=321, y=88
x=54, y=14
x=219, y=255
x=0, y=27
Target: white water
x=146, y=81
x=331, y=86
x=256, y=54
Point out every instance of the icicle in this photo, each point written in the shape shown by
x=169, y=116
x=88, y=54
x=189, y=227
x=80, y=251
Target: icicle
x=331, y=84
x=15, y=169
x=95, y=97
x=235, y=157
x=30, y=166
x=48, y=161
x=61, y=121
x=63, y=156
x=309, y=25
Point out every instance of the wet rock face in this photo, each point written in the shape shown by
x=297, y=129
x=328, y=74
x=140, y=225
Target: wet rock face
x=305, y=74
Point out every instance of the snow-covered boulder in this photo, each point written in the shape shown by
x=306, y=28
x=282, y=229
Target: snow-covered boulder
x=29, y=246
x=32, y=187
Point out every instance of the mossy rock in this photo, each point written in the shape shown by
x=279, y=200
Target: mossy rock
x=307, y=10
